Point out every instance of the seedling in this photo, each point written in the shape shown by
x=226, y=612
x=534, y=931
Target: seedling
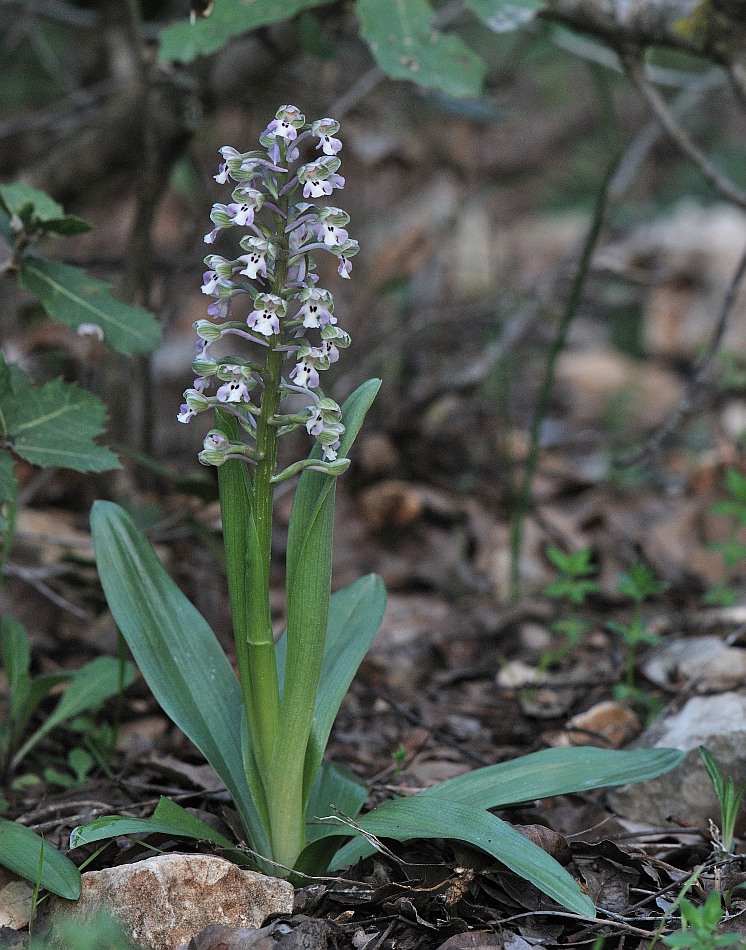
x=639, y=585
x=573, y=585
x=729, y=799
x=732, y=550
x=698, y=926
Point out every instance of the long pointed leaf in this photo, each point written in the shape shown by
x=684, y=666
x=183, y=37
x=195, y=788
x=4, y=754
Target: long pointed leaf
x=541, y=775
x=309, y=557
x=420, y=817
x=176, y=651
x=23, y=851
x=355, y=615
x=554, y=772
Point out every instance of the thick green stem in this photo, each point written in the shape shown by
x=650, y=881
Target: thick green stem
x=248, y=588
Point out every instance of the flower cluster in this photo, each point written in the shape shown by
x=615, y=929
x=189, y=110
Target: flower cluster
x=269, y=294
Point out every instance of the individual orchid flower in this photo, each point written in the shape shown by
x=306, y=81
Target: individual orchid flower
x=325, y=130
x=320, y=178
x=255, y=260
x=331, y=226
x=317, y=308
x=268, y=310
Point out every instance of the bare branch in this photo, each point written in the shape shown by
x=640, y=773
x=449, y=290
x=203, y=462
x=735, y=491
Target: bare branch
x=697, y=384
x=723, y=185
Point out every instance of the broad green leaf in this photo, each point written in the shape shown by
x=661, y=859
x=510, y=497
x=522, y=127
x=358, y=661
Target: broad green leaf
x=555, y=772
x=176, y=651
x=184, y=41
x=92, y=685
x=502, y=16
x=405, y=46
x=55, y=424
x=421, y=817
x=355, y=615
x=168, y=819
x=69, y=295
x=24, y=852
x=335, y=792
x=544, y=774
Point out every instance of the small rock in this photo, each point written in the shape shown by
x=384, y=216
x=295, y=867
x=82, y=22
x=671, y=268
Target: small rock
x=705, y=662
x=166, y=900
x=686, y=795
x=611, y=722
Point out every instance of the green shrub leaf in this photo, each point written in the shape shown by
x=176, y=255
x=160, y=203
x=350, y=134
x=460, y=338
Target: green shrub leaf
x=405, y=46
x=55, y=425
x=502, y=16
x=184, y=41
x=69, y=295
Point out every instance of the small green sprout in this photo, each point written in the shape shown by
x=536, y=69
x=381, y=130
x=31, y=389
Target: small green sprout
x=698, y=926
x=639, y=585
x=729, y=798
x=573, y=585
x=733, y=550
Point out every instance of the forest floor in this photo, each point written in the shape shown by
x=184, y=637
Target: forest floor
x=470, y=229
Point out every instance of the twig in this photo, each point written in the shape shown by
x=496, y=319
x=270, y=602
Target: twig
x=696, y=384
x=722, y=184
x=523, y=501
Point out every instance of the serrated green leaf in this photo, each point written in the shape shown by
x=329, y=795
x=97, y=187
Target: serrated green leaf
x=176, y=652
x=69, y=295
x=408, y=818
x=24, y=852
x=55, y=425
x=502, y=16
x=185, y=41
x=405, y=46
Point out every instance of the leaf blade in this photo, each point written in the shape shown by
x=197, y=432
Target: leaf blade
x=55, y=424
x=418, y=817
x=176, y=651
x=405, y=46
x=22, y=851
x=70, y=296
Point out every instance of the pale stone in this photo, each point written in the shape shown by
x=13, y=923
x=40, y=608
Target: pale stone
x=166, y=900
x=685, y=796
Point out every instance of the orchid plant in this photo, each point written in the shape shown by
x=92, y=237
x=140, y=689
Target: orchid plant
x=265, y=733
